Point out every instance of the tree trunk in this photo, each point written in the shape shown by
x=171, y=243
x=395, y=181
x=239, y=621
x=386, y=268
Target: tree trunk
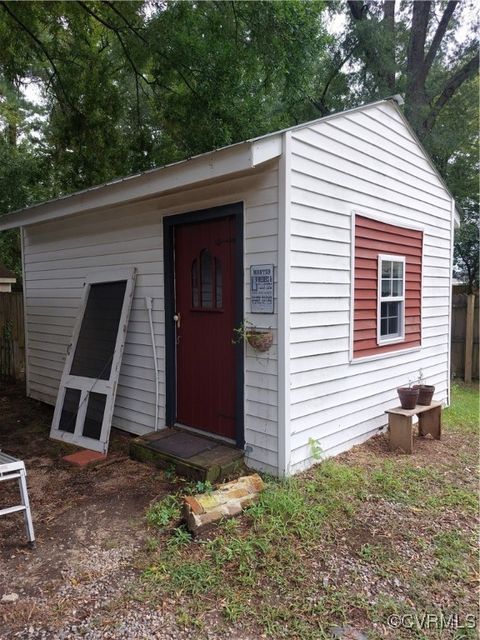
x=389, y=27
x=415, y=94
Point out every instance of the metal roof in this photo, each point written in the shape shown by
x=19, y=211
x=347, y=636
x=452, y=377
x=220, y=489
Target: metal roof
x=396, y=100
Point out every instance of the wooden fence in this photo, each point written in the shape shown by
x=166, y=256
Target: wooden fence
x=12, y=337
x=465, y=354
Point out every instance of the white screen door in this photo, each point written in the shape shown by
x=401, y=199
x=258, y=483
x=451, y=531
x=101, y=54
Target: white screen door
x=86, y=397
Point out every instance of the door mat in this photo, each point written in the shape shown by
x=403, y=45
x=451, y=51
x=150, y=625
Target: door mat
x=182, y=445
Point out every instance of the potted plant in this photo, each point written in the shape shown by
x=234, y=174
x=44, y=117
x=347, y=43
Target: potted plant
x=425, y=391
x=408, y=396
x=259, y=339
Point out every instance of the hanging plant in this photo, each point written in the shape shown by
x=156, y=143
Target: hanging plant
x=259, y=339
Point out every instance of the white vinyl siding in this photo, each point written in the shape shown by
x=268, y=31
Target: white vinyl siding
x=59, y=255
x=364, y=161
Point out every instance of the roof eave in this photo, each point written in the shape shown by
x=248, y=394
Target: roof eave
x=206, y=167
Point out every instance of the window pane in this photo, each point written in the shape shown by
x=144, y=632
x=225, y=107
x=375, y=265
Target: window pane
x=68, y=416
x=386, y=268
x=390, y=319
x=393, y=325
x=393, y=309
x=206, y=266
x=386, y=288
x=92, y=427
x=98, y=334
x=397, y=288
x=397, y=270
x=218, y=284
x=195, y=288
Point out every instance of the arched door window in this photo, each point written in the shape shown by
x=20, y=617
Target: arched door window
x=206, y=280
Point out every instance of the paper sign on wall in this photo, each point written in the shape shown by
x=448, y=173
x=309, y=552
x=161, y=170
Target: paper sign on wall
x=261, y=288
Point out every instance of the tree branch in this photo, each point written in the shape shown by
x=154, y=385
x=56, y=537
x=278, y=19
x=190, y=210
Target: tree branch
x=122, y=17
x=358, y=9
x=137, y=72
x=320, y=103
x=45, y=52
x=439, y=34
x=467, y=71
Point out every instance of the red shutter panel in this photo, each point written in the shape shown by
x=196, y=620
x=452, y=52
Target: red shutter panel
x=371, y=239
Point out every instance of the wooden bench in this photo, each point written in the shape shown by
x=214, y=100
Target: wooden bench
x=400, y=424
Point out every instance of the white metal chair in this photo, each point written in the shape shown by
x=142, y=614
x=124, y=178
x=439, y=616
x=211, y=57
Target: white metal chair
x=13, y=469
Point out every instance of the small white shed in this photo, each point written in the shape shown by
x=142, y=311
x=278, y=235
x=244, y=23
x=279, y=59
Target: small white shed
x=349, y=216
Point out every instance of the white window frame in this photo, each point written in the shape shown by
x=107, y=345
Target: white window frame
x=383, y=340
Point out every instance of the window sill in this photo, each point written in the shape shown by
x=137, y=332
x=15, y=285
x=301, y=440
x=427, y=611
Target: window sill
x=387, y=341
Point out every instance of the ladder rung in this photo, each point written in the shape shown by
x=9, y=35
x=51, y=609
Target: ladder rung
x=10, y=476
x=4, y=512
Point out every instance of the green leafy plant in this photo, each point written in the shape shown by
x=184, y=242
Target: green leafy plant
x=315, y=449
x=260, y=339
x=161, y=513
x=180, y=537
x=203, y=486
x=170, y=473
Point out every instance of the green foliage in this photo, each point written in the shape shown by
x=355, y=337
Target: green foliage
x=315, y=449
x=278, y=548
x=451, y=552
x=126, y=86
x=464, y=411
x=467, y=248
x=161, y=513
x=203, y=486
x=180, y=537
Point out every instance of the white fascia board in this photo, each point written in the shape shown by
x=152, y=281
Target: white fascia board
x=265, y=149
x=209, y=166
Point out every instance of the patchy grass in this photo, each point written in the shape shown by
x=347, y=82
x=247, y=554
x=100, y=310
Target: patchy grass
x=367, y=535
x=464, y=412
x=353, y=541
x=162, y=512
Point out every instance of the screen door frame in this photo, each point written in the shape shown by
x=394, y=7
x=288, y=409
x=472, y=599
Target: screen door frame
x=88, y=385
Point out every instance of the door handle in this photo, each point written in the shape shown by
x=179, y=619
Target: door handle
x=177, y=318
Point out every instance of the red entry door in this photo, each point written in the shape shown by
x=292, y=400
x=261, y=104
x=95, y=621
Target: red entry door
x=205, y=308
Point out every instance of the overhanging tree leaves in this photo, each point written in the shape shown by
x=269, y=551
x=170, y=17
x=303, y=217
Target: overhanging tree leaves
x=131, y=85
x=409, y=48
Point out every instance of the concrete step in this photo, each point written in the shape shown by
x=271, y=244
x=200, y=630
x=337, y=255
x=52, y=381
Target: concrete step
x=194, y=456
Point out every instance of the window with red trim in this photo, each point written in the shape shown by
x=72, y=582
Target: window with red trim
x=387, y=288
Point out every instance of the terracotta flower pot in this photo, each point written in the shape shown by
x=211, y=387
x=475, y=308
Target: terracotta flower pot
x=260, y=339
x=425, y=393
x=408, y=397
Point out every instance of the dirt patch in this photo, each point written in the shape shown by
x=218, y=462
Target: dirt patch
x=89, y=523
x=393, y=534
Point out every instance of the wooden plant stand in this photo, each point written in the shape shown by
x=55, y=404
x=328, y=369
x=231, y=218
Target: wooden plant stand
x=400, y=424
